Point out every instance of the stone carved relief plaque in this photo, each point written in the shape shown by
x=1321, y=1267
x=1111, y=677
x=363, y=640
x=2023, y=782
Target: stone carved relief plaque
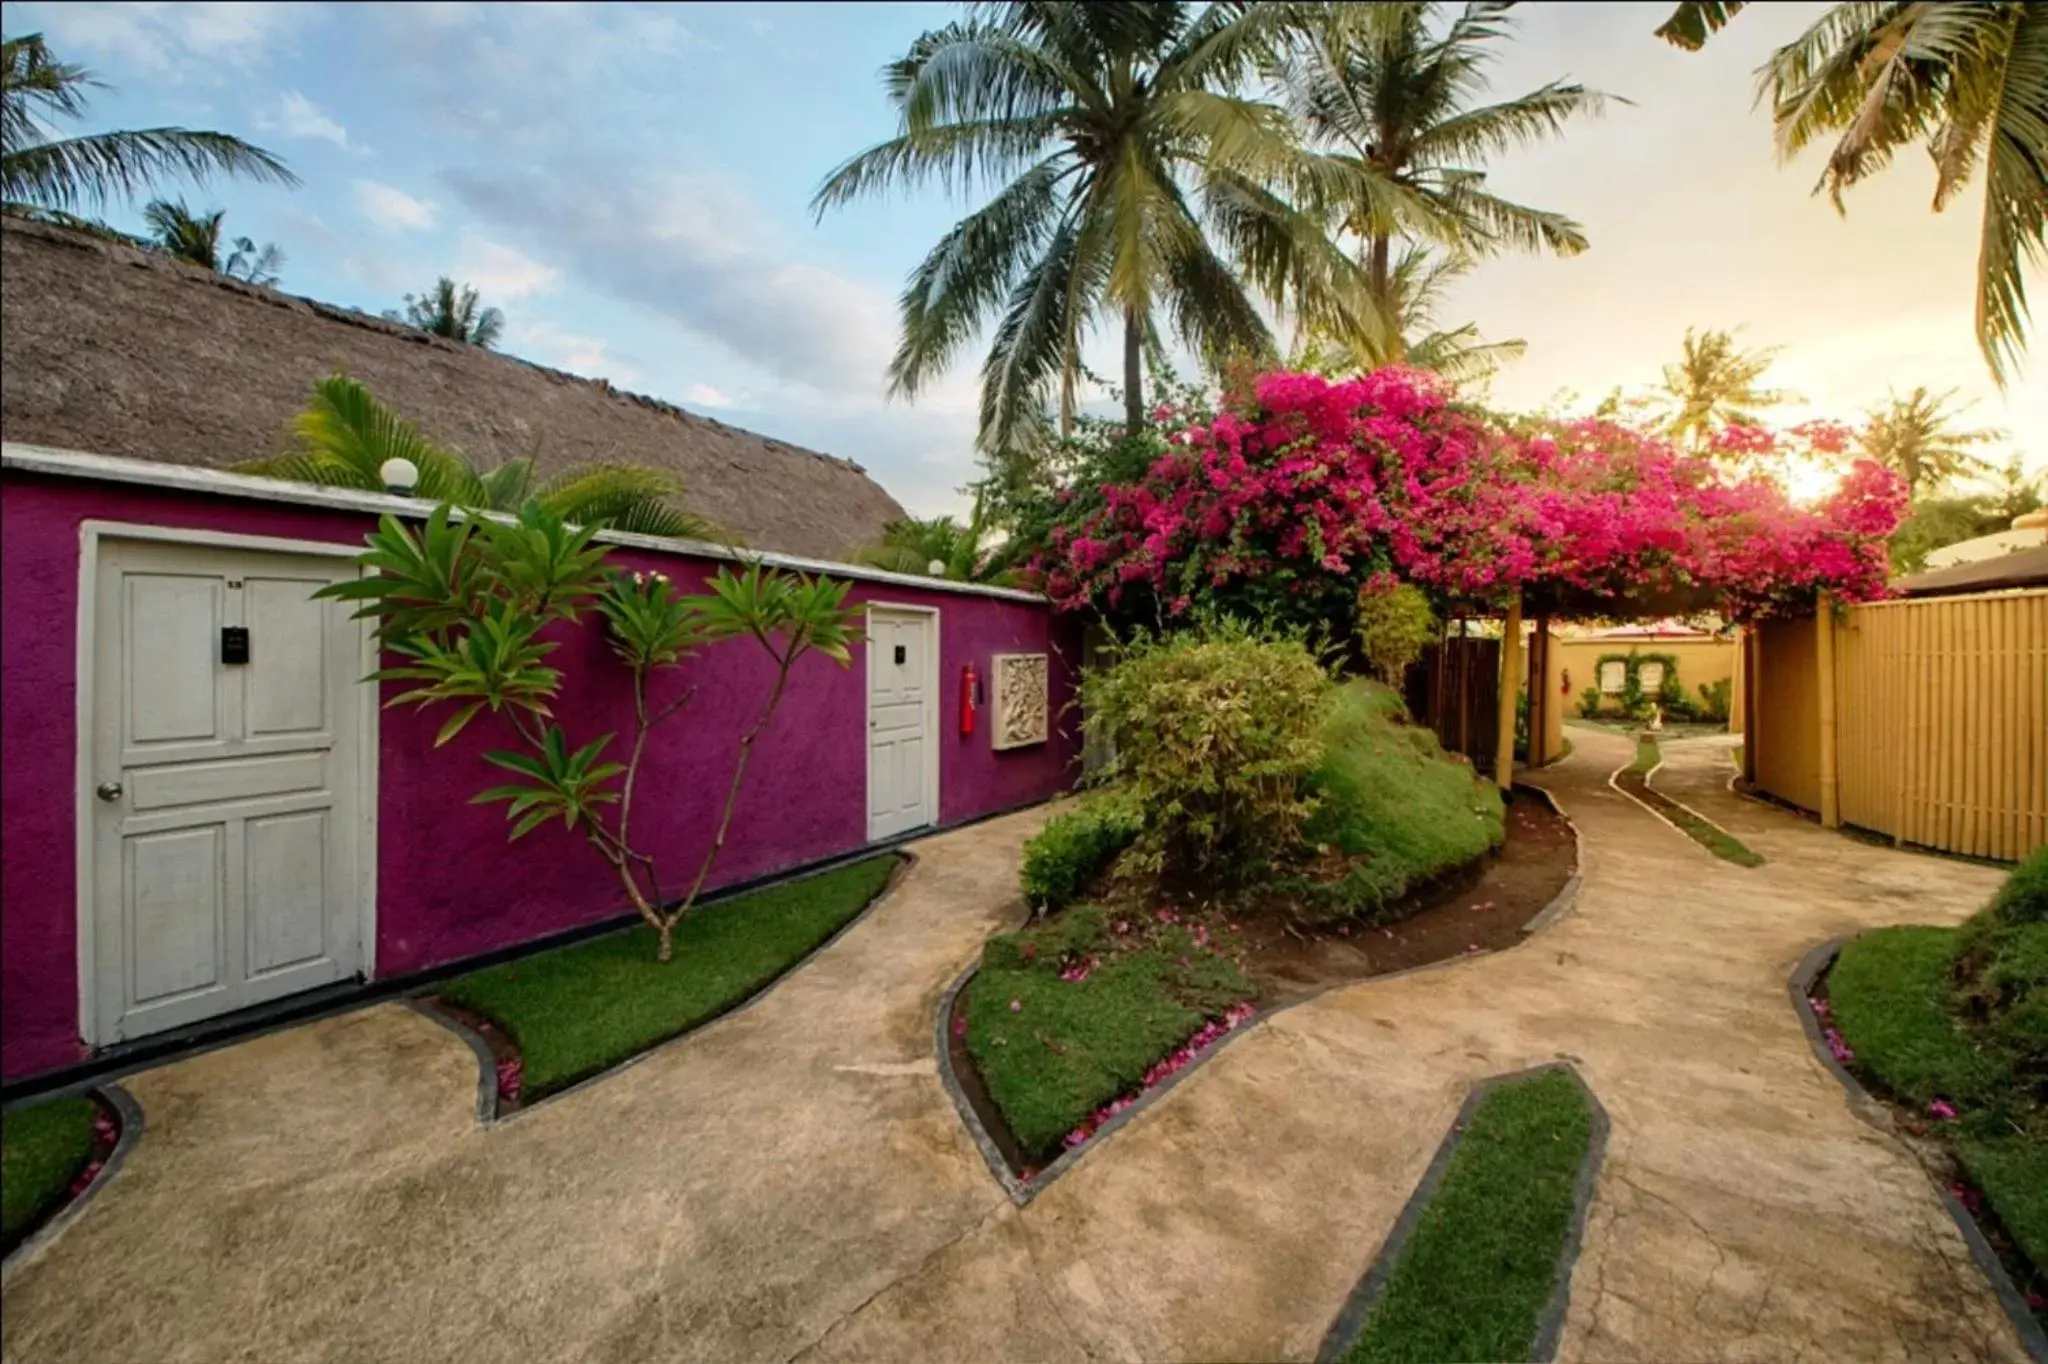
x=1613, y=677
x=1021, y=697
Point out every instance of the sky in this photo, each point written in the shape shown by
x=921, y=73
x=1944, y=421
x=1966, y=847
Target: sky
x=631, y=185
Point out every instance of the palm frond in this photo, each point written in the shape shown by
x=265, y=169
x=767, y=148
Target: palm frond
x=90, y=170
x=2015, y=196
x=967, y=274
x=1694, y=21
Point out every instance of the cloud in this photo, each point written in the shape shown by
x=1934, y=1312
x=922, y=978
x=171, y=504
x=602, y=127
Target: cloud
x=704, y=395
x=704, y=258
x=587, y=53
x=160, y=37
x=298, y=116
x=377, y=272
x=500, y=273
x=392, y=209
x=590, y=356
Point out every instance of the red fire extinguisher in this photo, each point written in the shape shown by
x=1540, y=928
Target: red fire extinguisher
x=970, y=697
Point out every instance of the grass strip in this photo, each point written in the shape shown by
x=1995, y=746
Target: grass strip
x=1707, y=834
x=1475, y=1274
x=1067, y=1016
x=41, y=1150
x=1891, y=994
x=581, y=1009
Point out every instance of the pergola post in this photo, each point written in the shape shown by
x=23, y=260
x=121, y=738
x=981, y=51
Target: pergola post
x=1510, y=657
x=1824, y=650
x=1540, y=700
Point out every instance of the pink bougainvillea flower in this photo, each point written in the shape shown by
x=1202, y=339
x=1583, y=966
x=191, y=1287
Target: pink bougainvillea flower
x=1839, y=1046
x=85, y=1178
x=1016, y=1006
x=1820, y=1006
x=511, y=1072
x=960, y=1026
x=1942, y=1109
x=1028, y=951
x=1966, y=1195
x=1122, y=926
x=1165, y=915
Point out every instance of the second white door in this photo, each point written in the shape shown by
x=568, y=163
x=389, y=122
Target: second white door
x=903, y=703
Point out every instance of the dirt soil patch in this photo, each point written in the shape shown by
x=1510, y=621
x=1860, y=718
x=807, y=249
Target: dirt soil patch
x=1477, y=909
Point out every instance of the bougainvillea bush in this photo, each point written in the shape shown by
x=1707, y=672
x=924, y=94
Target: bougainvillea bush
x=1306, y=491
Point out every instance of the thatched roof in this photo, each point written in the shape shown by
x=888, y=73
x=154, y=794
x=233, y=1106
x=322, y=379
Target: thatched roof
x=121, y=352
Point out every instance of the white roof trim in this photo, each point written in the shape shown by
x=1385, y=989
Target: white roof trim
x=40, y=459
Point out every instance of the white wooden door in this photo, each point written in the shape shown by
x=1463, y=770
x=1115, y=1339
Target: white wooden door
x=902, y=652
x=226, y=795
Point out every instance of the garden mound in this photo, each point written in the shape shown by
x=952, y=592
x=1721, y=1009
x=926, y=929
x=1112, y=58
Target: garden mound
x=1949, y=1026
x=1070, y=1021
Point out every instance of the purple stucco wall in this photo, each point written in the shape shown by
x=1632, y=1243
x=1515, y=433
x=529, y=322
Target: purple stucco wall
x=449, y=885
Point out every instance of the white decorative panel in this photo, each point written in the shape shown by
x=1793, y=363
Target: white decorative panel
x=1613, y=677
x=1650, y=675
x=1022, y=699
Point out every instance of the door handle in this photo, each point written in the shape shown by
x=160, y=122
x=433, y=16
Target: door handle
x=109, y=790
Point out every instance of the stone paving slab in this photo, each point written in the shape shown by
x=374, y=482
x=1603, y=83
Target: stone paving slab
x=793, y=1182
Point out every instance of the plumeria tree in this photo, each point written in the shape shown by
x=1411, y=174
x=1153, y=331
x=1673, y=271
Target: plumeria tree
x=1287, y=502
x=467, y=604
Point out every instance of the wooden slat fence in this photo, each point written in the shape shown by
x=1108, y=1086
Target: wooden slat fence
x=1941, y=720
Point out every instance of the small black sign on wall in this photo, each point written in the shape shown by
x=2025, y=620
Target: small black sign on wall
x=902, y=654
x=234, y=644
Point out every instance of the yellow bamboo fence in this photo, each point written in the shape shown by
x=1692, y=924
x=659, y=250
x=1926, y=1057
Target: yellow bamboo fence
x=1933, y=732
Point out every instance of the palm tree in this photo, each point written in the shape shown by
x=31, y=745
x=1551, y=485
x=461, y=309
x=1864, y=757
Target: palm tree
x=1415, y=294
x=345, y=437
x=195, y=238
x=44, y=175
x=1968, y=80
x=453, y=311
x=1915, y=437
x=1715, y=385
x=913, y=545
x=1134, y=186
x=1393, y=102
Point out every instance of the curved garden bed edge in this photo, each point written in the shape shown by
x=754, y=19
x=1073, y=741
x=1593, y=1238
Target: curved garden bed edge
x=488, y=1112
x=1550, y=1323
x=1022, y=1191
x=1872, y=1110
x=130, y=1114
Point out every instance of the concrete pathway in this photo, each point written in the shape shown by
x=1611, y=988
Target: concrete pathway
x=793, y=1182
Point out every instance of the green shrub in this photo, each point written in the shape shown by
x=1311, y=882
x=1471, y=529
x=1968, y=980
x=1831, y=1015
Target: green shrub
x=1715, y=699
x=1214, y=731
x=2001, y=971
x=1394, y=625
x=1589, y=702
x=1390, y=800
x=1074, y=848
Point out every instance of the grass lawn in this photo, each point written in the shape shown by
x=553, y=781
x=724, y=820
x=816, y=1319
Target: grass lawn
x=1891, y=995
x=1710, y=836
x=1071, y=1046
x=1393, y=804
x=41, y=1148
x=1475, y=1275
x=581, y=1009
